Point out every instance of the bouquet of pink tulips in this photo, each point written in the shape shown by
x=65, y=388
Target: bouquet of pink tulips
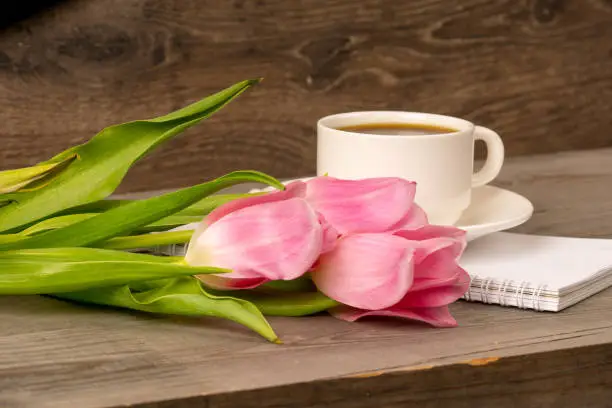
x=364, y=244
x=351, y=248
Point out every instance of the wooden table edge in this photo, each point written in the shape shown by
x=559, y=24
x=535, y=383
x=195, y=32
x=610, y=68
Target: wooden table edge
x=467, y=383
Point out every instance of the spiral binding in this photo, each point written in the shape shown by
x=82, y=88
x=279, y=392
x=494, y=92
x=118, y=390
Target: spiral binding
x=526, y=295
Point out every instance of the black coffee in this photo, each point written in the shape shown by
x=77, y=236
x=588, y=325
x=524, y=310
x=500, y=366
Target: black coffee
x=398, y=129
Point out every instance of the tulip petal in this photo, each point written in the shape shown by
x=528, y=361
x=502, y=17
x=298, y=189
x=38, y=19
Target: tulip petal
x=295, y=189
x=438, y=249
x=435, y=316
x=436, y=293
x=222, y=283
x=429, y=231
x=367, y=205
x=460, y=276
x=277, y=240
x=367, y=271
x=330, y=235
x=415, y=218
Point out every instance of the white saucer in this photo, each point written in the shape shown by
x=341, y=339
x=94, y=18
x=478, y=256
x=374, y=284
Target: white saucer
x=492, y=209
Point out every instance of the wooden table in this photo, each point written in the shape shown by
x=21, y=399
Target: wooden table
x=55, y=354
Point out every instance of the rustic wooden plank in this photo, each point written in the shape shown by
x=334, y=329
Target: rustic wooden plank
x=558, y=379
x=535, y=70
x=55, y=354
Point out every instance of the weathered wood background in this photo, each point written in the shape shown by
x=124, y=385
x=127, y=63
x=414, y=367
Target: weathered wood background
x=538, y=71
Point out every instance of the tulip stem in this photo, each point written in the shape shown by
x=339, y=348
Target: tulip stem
x=290, y=304
x=301, y=284
x=148, y=240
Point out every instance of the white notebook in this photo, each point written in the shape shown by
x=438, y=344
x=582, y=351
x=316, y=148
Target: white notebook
x=543, y=273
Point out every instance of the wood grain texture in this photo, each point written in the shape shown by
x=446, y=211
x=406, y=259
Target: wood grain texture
x=55, y=354
x=564, y=378
x=538, y=71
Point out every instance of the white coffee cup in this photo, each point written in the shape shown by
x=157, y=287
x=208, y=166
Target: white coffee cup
x=441, y=164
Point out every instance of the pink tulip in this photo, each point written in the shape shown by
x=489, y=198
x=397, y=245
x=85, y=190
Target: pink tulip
x=276, y=236
x=411, y=273
x=370, y=205
x=280, y=235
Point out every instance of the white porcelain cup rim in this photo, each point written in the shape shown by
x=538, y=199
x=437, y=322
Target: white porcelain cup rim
x=463, y=124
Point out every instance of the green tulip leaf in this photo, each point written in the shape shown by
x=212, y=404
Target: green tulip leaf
x=17, y=179
x=93, y=207
x=192, y=214
x=52, y=270
x=126, y=218
x=102, y=162
x=62, y=221
x=201, y=207
x=170, y=222
x=56, y=222
x=207, y=205
x=180, y=296
x=6, y=238
x=148, y=240
x=195, y=213
x=285, y=304
x=4, y=201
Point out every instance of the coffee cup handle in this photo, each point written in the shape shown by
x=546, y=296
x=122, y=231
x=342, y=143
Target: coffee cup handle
x=495, y=156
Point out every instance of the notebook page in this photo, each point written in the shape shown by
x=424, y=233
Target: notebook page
x=557, y=262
